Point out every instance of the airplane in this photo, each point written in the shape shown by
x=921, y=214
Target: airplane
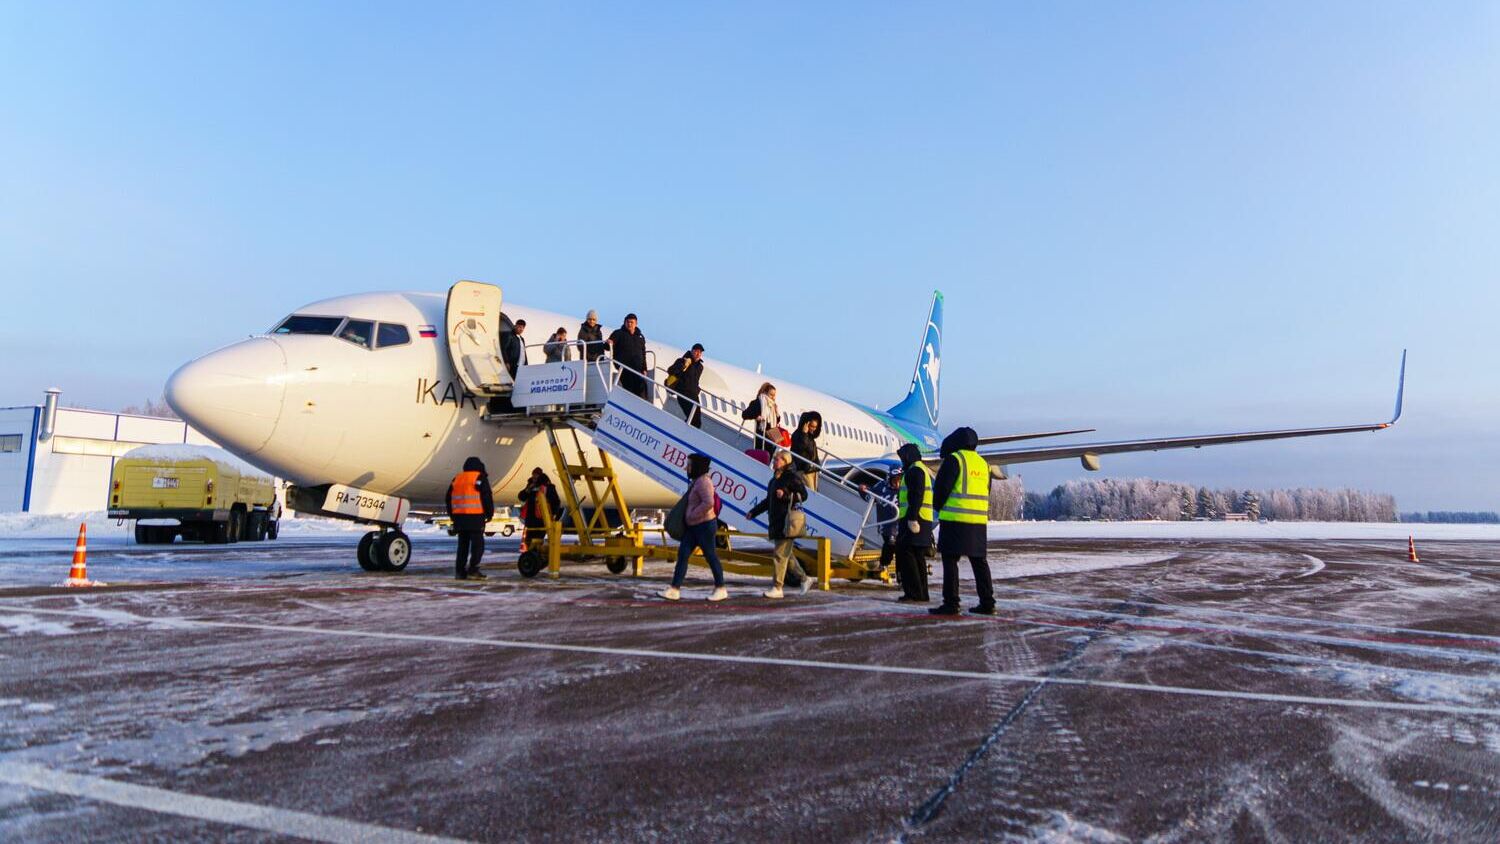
x=363, y=400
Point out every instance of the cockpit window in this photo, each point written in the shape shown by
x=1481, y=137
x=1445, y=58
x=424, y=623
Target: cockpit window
x=303, y=324
x=390, y=334
x=360, y=332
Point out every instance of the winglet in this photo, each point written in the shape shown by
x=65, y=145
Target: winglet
x=1400, y=389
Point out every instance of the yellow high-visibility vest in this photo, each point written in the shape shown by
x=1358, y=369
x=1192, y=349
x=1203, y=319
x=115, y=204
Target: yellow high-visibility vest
x=925, y=511
x=969, y=501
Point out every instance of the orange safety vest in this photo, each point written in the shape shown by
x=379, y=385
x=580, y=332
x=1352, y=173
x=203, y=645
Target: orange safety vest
x=465, y=494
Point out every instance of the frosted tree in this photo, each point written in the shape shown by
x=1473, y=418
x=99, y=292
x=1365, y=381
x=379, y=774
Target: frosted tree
x=1207, y=504
x=1250, y=505
x=1186, y=507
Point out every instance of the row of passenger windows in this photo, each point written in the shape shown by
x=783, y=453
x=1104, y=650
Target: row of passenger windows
x=790, y=422
x=360, y=332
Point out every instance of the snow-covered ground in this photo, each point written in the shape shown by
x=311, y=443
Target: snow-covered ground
x=1240, y=530
x=65, y=525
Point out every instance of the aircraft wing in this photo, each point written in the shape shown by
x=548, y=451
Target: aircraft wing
x=1040, y=435
x=1089, y=452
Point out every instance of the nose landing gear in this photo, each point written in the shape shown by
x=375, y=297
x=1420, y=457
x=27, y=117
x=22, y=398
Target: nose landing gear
x=384, y=550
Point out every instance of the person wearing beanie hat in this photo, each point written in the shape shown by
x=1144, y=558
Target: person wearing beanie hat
x=591, y=337
x=914, y=533
x=471, y=505
x=961, y=501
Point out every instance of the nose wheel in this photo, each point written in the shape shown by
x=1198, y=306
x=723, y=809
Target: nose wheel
x=384, y=551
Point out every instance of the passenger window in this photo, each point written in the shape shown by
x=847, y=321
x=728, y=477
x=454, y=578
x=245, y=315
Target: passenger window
x=390, y=334
x=303, y=324
x=360, y=332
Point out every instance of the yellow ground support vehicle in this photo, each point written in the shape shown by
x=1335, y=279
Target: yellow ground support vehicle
x=195, y=492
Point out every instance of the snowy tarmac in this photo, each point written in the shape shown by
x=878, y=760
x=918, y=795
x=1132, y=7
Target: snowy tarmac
x=1165, y=687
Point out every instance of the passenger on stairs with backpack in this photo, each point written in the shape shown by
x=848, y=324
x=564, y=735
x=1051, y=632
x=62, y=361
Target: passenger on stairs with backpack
x=698, y=512
x=783, y=506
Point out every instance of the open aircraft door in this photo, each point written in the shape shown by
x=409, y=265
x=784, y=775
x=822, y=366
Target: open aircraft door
x=473, y=326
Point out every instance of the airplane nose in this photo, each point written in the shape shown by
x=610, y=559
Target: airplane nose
x=233, y=395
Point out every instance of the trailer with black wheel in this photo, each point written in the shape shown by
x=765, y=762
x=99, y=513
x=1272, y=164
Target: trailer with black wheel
x=193, y=492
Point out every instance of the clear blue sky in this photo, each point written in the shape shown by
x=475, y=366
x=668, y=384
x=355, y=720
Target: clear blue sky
x=1149, y=218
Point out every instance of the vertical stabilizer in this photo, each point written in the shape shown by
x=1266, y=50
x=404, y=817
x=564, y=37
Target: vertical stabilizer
x=920, y=407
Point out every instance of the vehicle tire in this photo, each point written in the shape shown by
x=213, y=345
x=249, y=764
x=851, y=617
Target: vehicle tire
x=616, y=565
x=163, y=535
x=531, y=563
x=255, y=527
x=392, y=551
x=273, y=529
x=144, y=535
x=218, y=532
x=508, y=530
x=235, y=527
x=366, y=553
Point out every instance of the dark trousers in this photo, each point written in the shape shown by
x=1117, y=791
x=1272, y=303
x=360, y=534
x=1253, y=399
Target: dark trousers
x=699, y=536
x=634, y=383
x=983, y=584
x=470, y=549
x=911, y=568
x=888, y=554
x=691, y=412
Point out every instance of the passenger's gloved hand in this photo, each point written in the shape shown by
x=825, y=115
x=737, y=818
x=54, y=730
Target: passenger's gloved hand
x=914, y=527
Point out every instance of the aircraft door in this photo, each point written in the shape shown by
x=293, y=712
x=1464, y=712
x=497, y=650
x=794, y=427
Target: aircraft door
x=473, y=326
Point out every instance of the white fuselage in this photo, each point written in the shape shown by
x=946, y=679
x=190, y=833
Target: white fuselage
x=396, y=420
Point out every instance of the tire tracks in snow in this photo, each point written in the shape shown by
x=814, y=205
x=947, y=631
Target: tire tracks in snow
x=919, y=818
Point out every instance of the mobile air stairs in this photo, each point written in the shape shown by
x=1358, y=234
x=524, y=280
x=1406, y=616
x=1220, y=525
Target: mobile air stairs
x=591, y=420
x=842, y=538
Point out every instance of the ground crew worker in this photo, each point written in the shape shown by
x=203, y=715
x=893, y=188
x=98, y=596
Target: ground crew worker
x=961, y=496
x=914, y=532
x=470, y=506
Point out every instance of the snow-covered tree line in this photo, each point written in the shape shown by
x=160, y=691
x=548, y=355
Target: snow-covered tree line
x=1454, y=517
x=1144, y=498
x=158, y=407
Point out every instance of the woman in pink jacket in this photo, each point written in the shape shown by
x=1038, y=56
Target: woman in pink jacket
x=702, y=529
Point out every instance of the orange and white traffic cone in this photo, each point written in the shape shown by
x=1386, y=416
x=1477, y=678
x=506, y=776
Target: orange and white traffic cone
x=79, y=574
x=1411, y=549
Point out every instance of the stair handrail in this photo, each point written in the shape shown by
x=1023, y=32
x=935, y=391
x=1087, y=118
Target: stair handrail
x=613, y=378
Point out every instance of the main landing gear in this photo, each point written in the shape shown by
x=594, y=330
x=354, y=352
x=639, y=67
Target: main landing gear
x=384, y=550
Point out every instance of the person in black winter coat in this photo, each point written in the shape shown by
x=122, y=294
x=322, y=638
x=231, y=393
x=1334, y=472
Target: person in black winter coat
x=805, y=447
x=591, y=337
x=513, y=347
x=688, y=371
x=912, y=545
x=958, y=539
x=538, y=488
x=472, y=488
x=628, y=345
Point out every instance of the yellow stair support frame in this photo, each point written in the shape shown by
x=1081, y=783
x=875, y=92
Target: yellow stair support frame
x=596, y=536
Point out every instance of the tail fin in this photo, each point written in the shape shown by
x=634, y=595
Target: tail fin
x=920, y=407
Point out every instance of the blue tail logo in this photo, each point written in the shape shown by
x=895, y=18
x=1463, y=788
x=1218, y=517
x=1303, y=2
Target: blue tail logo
x=920, y=406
